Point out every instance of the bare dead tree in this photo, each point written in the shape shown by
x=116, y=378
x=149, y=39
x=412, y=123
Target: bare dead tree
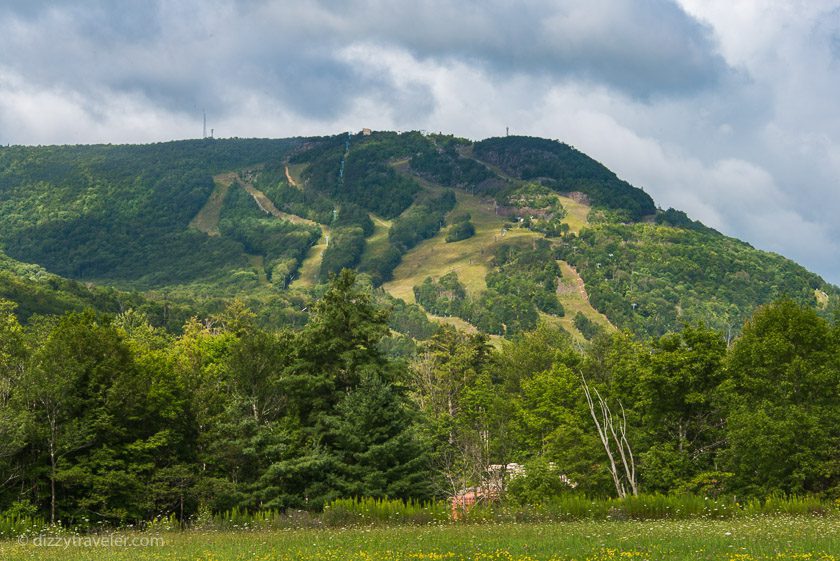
x=602, y=434
x=610, y=437
x=623, y=445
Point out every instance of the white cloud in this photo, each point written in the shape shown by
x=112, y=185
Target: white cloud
x=31, y=114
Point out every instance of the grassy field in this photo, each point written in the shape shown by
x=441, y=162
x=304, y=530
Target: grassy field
x=207, y=219
x=469, y=258
x=751, y=539
x=310, y=269
x=459, y=324
x=572, y=294
x=378, y=241
x=576, y=213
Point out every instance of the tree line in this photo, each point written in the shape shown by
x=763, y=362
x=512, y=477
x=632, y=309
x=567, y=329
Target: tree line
x=112, y=419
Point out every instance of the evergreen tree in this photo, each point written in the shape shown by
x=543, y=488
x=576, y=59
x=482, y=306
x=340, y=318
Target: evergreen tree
x=379, y=451
x=333, y=350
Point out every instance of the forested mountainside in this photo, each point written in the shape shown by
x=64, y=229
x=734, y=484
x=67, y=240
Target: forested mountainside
x=277, y=324
x=495, y=235
x=37, y=292
x=121, y=213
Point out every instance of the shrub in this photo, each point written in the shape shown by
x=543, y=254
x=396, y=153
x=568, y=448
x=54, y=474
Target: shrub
x=573, y=506
x=541, y=481
x=460, y=231
x=586, y=326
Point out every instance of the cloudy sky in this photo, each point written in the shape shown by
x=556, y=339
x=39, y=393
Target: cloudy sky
x=727, y=109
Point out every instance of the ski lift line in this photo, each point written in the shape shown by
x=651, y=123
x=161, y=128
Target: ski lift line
x=343, y=159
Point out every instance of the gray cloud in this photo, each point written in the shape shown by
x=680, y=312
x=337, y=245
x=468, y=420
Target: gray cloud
x=644, y=48
x=189, y=53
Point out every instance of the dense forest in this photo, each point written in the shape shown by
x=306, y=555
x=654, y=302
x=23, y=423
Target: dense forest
x=652, y=279
x=563, y=168
x=107, y=418
x=120, y=213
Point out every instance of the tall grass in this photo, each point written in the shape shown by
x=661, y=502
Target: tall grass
x=243, y=519
x=384, y=512
x=340, y=512
x=13, y=526
x=344, y=512
x=648, y=507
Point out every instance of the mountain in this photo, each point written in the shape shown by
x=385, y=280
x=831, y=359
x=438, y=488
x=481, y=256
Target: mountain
x=493, y=235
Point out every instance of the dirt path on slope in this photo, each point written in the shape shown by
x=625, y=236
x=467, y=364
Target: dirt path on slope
x=571, y=291
x=310, y=268
x=207, y=221
x=290, y=179
x=268, y=207
x=578, y=282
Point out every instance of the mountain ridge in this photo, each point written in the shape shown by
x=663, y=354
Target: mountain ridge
x=128, y=216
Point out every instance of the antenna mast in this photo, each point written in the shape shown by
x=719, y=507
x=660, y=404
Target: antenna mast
x=204, y=132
